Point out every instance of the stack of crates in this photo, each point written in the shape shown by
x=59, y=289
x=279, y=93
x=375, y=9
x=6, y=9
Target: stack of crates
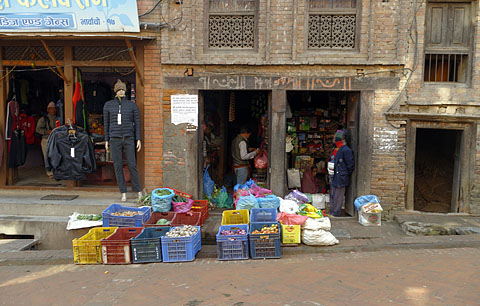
x=177, y=249
x=116, y=248
x=264, y=245
x=87, y=249
x=147, y=247
x=233, y=247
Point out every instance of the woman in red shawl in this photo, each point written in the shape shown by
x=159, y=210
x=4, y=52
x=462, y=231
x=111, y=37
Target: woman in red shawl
x=309, y=181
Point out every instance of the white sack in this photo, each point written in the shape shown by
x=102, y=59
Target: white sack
x=317, y=224
x=288, y=206
x=318, y=237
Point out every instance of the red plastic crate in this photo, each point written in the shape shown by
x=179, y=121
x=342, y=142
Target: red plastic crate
x=151, y=222
x=190, y=218
x=116, y=248
x=181, y=193
x=201, y=206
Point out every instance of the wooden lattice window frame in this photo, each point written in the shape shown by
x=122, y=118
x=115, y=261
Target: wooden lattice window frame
x=245, y=22
x=446, y=39
x=335, y=21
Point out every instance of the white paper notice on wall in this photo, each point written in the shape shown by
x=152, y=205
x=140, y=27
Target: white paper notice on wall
x=184, y=109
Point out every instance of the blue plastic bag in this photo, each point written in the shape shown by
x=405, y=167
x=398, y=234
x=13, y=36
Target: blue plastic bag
x=269, y=201
x=247, y=185
x=208, y=183
x=162, y=203
x=247, y=202
x=365, y=199
x=222, y=200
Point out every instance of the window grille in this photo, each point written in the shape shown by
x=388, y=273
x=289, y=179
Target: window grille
x=446, y=67
x=231, y=24
x=101, y=54
x=31, y=53
x=332, y=24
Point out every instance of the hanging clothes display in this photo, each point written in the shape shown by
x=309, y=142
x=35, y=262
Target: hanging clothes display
x=27, y=124
x=70, y=153
x=13, y=110
x=79, y=116
x=18, y=149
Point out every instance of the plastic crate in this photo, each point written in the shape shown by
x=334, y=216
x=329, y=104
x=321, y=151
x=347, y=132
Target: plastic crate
x=263, y=215
x=230, y=217
x=264, y=245
x=147, y=247
x=88, y=249
x=190, y=218
x=291, y=233
x=116, y=248
x=201, y=206
x=181, y=193
x=152, y=221
x=123, y=221
x=234, y=247
x=176, y=249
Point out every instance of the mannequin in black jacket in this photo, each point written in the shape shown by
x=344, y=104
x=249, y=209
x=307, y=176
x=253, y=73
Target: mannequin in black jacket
x=121, y=118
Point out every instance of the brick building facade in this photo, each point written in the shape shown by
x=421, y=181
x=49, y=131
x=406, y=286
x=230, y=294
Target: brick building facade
x=385, y=62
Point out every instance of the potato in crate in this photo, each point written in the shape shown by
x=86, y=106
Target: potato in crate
x=116, y=248
x=123, y=216
x=232, y=242
x=239, y=216
x=88, y=249
x=181, y=243
x=147, y=247
x=265, y=240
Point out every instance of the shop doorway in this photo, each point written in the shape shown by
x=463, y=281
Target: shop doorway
x=437, y=169
x=224, y=113
x=313, y=117
x=33, y=90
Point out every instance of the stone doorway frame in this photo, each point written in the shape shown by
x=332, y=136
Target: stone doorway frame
x=467, y=160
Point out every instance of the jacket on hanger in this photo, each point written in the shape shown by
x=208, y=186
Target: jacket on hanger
x=18, y=149
x=70, y=156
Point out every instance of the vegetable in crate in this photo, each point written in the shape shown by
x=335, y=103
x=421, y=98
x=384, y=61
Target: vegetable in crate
x=126, y=213
x=233, y=232
x=182, y=231
x=179, y=199
x=163, y=222
x=273, y=229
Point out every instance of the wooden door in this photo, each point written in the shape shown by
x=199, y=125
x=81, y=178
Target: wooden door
x=353, y=104
x=455, y=204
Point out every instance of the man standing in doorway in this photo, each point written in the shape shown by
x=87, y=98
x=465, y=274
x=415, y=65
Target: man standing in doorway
x=340, y=166
x=44, y=127
x=241, y=155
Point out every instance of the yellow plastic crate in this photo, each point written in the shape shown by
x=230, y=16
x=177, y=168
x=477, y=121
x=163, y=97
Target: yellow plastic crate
x=87, y=249
x=291, y=233
x=230, y=217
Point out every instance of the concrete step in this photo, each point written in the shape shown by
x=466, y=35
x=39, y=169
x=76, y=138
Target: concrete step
x=31, y=204
x=15, y=245
x=50, y=231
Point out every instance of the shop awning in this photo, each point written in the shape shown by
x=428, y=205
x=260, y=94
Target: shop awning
x=22, y=35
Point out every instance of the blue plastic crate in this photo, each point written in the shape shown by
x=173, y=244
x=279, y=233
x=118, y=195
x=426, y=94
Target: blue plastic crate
x=264, y=245
x=175, y=249
x=263, y=215
x=232, y=247
x=123, y=221
x=147, y=247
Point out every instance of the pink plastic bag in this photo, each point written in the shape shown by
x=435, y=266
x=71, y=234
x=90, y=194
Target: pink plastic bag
x=291, y=219
x=182, y=207
x=261, y=160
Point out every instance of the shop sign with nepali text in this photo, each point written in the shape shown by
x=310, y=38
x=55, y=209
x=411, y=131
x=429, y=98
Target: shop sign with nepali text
x=69, y=16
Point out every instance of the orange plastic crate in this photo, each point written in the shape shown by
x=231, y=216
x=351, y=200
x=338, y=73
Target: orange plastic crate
x=201, y=206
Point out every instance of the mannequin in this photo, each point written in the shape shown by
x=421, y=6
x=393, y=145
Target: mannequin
x=122, y=134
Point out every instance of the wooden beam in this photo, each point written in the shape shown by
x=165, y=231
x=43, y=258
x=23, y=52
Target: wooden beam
x=20, y=63
x=134, y=60
x=52, y=57
x=102, y=64
x=3, y=107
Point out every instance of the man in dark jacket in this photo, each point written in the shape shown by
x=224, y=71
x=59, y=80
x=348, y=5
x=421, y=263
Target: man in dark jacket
x=121, y=119
x=340, y=167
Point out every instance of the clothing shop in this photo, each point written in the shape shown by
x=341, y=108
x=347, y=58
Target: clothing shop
x=60, y=81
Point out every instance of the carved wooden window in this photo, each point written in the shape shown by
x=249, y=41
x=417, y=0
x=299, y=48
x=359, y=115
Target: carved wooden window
x=448, y=42
x=332, y=24
x=232, y=24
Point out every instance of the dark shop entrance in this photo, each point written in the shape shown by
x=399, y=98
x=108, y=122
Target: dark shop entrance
x=437, y=169
x=313, y=118
x=224, y=114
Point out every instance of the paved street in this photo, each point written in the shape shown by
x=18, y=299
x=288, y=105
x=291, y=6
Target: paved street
x=399, y=277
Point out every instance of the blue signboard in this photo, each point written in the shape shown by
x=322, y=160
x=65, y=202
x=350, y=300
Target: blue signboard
x=69, y=16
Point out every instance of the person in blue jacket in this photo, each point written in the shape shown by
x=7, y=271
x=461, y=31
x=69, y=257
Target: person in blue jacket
x=340, y=166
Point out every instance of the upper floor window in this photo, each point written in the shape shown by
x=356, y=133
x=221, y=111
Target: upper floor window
x=448, y=42
x=232, y=24
x=332, y=24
